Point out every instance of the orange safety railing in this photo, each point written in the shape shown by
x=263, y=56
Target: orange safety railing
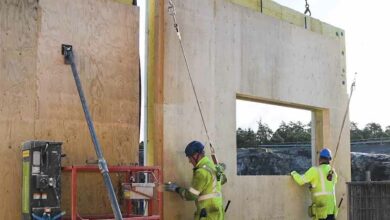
x=154, y=200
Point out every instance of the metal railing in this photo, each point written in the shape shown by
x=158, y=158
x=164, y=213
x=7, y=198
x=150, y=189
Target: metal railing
x=370, y=141
x=305, y=144
x=154, y=201
x=369, y=200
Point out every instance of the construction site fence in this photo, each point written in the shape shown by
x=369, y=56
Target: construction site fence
x=369, y=200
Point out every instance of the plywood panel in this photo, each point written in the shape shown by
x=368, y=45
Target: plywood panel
x=18, y=43
x=38, y=97
x=104, y=35
x=233, y=50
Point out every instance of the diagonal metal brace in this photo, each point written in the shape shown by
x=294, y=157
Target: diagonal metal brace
x=67, y=51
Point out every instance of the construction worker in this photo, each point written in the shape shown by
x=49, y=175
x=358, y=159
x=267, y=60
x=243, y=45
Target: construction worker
x=322, y=180
x=206, y=184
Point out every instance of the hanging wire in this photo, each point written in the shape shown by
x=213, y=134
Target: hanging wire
x=331, y=172
x=172, y=12
x=307, y=10
x=353, y=85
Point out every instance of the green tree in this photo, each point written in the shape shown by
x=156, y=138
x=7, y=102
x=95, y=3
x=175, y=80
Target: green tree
x=245, y=138
x=373, y=130
x=277, y=138
x=302, y=131
x=250, y=138
x=263, y=134
x=240, y=134
x=280, y=134
x=356, y=133
x=292, y=132
x=387, y=131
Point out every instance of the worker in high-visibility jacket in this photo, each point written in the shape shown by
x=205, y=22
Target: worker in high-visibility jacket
x=322, y=180
x=206, y=184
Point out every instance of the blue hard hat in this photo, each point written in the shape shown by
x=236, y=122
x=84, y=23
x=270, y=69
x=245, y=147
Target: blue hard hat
x=326, y=153
x=194, y=147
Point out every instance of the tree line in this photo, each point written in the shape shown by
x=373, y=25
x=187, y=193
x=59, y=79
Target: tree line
x=299, y=132
x=370, y=131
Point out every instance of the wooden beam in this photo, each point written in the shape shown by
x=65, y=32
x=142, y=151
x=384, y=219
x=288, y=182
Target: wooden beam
x=159, y=86
x=155, y=87
x=149, y=136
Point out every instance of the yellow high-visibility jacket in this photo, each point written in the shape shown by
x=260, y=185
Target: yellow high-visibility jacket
x=322, y=190
x=205, y=190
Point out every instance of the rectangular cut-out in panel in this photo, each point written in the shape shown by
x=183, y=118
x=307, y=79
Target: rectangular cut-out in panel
x=272, y=139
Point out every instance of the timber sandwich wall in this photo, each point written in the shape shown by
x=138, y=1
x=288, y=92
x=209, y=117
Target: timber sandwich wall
x=235, y=51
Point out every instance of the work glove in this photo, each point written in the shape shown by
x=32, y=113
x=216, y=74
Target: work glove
x=294, y=173
x=220, y=168
x=171, y=187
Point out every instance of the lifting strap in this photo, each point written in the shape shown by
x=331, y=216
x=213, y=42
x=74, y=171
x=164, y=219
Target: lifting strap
x=330, y=174
x=172, y=12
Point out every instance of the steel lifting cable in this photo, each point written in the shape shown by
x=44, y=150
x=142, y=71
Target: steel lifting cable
x=353, y=85
x=172, y=12
x=307, y=9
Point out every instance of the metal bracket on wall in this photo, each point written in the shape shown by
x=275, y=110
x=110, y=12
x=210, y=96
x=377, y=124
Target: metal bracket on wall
x=66, y=50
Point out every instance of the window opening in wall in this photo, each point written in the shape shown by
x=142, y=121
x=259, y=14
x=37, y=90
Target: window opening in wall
x=272, y=139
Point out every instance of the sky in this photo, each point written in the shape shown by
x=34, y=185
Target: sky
x=249, y=113
x=367, y=32
x=142, y=39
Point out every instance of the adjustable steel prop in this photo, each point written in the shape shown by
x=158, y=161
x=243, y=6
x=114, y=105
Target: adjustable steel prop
x=67, y=51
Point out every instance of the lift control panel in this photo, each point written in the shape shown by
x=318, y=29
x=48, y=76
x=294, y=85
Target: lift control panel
x=41, y=184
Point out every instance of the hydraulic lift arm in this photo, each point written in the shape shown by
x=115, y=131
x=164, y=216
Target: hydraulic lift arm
x=67, y=51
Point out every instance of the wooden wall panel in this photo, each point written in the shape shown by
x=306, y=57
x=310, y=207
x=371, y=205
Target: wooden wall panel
x=232, y=52
x=38, y=96
x=18, y=42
